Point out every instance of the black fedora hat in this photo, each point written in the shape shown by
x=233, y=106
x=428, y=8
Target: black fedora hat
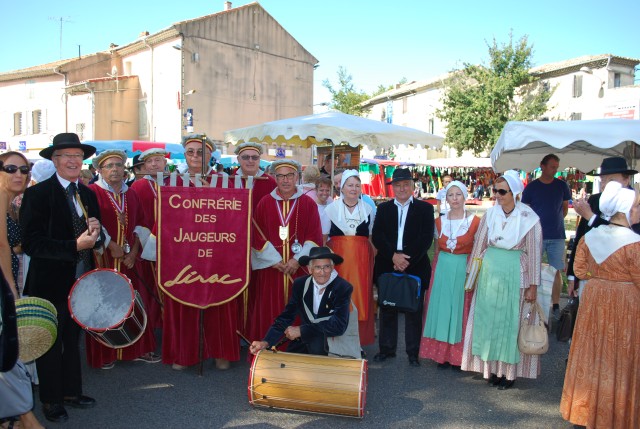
x=67, y=141
x=614, y=165
x=136, y=161
x=320, y=253
x=400, y=174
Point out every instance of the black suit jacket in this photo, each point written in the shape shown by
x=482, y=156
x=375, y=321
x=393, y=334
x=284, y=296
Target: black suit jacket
x=335, y=303
x=48, y=238
x=416, y=240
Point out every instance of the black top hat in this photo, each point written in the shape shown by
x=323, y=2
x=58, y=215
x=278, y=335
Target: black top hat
x=320, y=253
x=613, y=165
x=67, y=141
x=400, y=174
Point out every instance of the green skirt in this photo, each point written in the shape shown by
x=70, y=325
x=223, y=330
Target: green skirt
x=446, y=302
x=497, y=311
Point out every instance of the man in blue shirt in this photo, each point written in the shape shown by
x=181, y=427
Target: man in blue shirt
x=549, y=198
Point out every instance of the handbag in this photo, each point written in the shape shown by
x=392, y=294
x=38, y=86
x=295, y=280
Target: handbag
x=567, y=320
x=472, y=276
x=533, y=338
x=399, y=291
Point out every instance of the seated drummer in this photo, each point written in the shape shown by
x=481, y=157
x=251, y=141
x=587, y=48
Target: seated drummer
x=324, y=296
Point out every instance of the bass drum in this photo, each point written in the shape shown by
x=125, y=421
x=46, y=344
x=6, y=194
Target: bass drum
x=104, y=303
x=318, y=384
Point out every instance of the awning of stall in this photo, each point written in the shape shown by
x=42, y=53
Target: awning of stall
x=463, y=162
x=134, y=147
x=385, y=162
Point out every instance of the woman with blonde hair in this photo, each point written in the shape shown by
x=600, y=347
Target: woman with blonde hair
x=602, y=382
x=15, y=175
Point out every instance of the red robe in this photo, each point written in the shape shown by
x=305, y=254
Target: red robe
x=181, y=328
x=98, y=354
x=147, y=191
x=272, y=289
x=261, y=187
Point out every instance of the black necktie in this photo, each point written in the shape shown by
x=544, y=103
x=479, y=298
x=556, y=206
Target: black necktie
x=71, y=195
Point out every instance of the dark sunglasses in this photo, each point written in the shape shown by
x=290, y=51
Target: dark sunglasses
x=502, y=192
x=13, y=168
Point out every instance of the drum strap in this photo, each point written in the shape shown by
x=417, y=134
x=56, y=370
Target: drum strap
x=346, y=345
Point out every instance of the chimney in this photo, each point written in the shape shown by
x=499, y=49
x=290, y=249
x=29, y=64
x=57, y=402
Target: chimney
x=227, y=5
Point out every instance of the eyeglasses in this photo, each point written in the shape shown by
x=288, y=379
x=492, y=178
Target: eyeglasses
x=10, y=169
x=250, y=157
x=112, y=165
x=192, y=152
x=73, y=156
x=289, y=176
x=502, y=192
x=321, y=268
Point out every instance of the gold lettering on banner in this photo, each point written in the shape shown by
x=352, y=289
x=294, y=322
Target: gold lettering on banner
x=194, y=277
x=176, y=202
x=204, y=237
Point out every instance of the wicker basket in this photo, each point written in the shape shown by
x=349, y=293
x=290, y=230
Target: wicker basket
x=37, y=327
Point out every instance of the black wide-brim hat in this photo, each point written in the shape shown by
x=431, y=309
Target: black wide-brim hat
x=67, y=141
x=614, y=165
x=400, y=174
x=320, y=253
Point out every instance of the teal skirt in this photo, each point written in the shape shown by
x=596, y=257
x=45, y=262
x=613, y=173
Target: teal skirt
x=446, y=302
x=497, y=311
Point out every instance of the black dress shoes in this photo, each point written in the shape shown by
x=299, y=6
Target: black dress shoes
x=494, y=380
x=413, y=361
x=80, y=401
x=381, y=357
x=55, y=413
x=506, y=384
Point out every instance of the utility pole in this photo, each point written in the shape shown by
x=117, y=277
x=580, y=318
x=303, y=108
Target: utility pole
x=62, y=19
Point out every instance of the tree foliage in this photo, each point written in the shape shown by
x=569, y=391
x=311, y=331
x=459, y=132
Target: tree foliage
x=346, y=98
x=479, y=99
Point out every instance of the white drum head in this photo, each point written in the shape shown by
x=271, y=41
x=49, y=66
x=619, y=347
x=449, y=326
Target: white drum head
x=101, y=299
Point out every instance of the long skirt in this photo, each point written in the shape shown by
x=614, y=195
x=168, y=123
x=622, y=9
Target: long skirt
x=602, y=383
x=357, y=269
x=447, y=307
x=491, y=339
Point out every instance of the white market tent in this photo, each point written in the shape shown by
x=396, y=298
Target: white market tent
x=333, y=127
x=578, y=144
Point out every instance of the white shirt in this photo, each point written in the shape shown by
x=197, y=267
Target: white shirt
x=402, y=219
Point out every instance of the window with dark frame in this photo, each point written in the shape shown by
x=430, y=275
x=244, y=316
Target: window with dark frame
x=577, y=86
x=17, y=123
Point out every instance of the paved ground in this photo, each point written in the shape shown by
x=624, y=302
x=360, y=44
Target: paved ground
x=140, y=395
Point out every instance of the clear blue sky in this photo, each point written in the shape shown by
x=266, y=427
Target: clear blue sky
x=378, y=42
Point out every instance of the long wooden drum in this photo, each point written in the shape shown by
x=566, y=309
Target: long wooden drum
x=301, y=382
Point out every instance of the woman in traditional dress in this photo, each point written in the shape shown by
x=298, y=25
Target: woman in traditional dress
x=602, y=382
x=509, y=240
x=351, y=223
x=447, y=303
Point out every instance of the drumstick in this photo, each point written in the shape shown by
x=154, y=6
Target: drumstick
x=281, y=342
x=243, y=337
